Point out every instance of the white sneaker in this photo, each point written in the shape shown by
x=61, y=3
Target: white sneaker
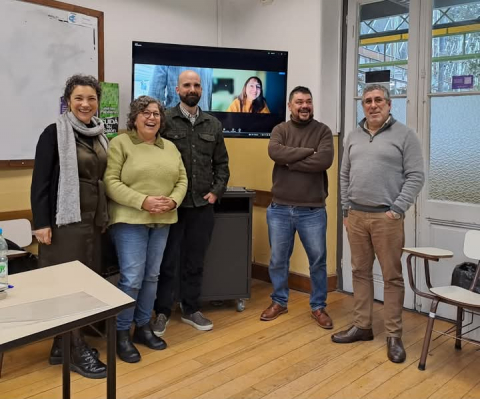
x=198, y=320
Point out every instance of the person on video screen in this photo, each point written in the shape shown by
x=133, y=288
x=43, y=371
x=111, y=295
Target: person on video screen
x=251, y=98
x=164, y=81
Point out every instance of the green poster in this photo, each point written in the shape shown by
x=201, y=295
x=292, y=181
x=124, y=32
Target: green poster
x=109, y=108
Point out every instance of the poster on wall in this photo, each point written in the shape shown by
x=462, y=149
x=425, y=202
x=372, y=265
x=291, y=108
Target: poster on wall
x=109, y=108
x=63, y=106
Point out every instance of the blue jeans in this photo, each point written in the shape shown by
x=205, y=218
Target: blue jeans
x=311, y=223
x=140, y=252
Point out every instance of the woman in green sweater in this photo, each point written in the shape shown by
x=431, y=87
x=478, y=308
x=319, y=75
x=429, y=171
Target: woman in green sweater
x=146, y=182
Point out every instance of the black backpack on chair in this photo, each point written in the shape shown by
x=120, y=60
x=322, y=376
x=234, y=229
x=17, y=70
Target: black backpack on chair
x=463, y=275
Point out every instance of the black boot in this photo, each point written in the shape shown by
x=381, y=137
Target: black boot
x=84, y=362
x=144, y=335
x=125, y=348
x=56, y=353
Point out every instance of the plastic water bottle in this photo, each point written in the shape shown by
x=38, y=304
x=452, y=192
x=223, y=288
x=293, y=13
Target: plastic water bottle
x=3, y=263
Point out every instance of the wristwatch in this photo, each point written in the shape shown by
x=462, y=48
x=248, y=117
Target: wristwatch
x=345, y=213
x=395, y=215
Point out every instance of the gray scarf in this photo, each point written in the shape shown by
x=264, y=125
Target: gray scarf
x=68, y=199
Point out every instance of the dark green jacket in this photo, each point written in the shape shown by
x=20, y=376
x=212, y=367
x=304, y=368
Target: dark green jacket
x=203, y=153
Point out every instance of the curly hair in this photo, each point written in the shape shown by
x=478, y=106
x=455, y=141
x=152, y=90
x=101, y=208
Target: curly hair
x=81, y=80
x=139, y=105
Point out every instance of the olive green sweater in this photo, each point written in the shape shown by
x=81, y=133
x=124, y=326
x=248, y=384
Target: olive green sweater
x=136, y=170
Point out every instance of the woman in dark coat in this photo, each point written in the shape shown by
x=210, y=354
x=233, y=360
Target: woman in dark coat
x=68, y=199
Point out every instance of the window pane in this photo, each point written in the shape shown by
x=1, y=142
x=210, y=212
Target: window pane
x=456, y=48
x=468, y=11
x=454, y=149
x=383, y=44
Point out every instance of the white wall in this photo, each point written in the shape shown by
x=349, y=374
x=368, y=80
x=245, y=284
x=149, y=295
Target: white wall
x=330, y=36
x=307, y=29
x=163, y=21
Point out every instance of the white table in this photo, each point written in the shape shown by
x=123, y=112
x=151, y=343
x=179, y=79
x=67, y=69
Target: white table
x=56, y=300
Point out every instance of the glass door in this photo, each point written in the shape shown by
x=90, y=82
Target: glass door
x=380, y=39
x=450, y=203
x=431, y=49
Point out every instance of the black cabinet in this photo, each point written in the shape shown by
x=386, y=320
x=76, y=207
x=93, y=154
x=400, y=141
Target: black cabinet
x=228, y=263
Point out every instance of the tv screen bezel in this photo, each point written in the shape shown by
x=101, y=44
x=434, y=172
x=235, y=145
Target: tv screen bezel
x=232, y=58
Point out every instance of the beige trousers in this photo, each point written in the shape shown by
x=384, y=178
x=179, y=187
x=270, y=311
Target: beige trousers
x=375, y=234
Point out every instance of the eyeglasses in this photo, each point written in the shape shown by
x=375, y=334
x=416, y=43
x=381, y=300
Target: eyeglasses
x=148, y=114
x=376, y=100
x=252, y=86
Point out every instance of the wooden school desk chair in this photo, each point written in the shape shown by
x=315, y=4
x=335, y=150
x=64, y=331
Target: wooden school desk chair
x=463, y=299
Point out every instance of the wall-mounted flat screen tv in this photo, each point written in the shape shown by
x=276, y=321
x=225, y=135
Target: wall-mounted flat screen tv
x=245, y=89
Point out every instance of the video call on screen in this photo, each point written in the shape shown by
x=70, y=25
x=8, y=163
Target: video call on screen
x=224, y=74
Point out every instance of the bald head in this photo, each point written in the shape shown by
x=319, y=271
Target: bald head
x=186, y=75
x=189, y=89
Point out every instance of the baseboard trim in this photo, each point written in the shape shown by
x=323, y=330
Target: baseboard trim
x=296, y=281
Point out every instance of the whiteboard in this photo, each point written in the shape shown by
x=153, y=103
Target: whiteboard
x=40, y=47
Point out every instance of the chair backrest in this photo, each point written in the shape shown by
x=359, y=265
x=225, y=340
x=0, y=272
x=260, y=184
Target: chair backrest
x=17, y=230
x=471, y=245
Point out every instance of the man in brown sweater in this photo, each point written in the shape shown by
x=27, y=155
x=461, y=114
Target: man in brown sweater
x=302, y=149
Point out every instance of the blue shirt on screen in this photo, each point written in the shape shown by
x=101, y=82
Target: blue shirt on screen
x=165, y=79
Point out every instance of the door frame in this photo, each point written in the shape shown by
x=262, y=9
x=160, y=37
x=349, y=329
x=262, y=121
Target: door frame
x=413, y=99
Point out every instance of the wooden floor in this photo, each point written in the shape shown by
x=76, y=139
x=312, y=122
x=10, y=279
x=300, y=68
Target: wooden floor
x=243, y=357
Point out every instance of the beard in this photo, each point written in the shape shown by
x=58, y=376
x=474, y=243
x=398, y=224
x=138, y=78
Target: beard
x=303, y=121
x=190, y=99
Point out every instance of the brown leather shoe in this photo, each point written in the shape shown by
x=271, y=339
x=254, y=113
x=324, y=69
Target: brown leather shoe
x=322, y=318
x=353, y=334
x=395, y=350
x=273, y=311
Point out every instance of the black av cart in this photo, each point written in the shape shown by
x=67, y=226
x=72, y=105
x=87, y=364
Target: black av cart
x=228, y=264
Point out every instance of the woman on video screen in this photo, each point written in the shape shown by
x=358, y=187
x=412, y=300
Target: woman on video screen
x=251, y=98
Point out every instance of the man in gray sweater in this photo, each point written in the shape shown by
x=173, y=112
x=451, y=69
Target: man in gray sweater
x=382, y=173
x=302, y=150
